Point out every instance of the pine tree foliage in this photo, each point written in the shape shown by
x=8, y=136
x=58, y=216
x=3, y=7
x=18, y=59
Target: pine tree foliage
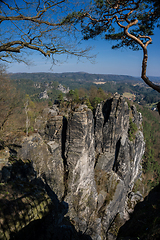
x=130, y=22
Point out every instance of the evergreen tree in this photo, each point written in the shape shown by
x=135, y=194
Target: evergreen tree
x=130, y=22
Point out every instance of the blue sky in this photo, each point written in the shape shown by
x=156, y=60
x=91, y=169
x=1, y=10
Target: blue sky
x=107, y=61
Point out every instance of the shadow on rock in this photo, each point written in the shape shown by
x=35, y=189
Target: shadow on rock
x=29, y=208
x=144, y=223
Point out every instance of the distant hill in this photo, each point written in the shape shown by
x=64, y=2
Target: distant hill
x=73, y=76
x=27, y=82
x=155, y=79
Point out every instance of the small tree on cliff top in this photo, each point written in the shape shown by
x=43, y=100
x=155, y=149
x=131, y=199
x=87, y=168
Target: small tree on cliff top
x=37, y=26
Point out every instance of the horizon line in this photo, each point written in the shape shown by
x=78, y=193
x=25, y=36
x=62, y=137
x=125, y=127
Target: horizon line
x=86, y=73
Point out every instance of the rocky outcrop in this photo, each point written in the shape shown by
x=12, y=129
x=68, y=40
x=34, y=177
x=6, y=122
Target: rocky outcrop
x=90, y=162
x=81, y=191
x=46, y=159
x=63, y=89
x=118, y=158
x=43, y=95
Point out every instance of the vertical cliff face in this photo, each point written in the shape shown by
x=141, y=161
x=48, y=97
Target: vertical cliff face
x=80, y=157
x=118, y=158
x=90, y=162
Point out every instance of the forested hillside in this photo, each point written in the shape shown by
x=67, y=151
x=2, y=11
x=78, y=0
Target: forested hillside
x=151, y=160
x=34, y=83
x=73, y=76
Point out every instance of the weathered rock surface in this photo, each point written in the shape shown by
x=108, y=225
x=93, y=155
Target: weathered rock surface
x=46, y=158
x=89, y=161
x=80, y=158
x=43, y=95
x=63, y=89
x=118, y=157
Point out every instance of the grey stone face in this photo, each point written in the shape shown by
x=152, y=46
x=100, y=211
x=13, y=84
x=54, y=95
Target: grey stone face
x=89, y=162
x=46, y=159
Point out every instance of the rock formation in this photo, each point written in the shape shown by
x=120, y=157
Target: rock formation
x=90, y=162
x=43, y=95
x=62, y=88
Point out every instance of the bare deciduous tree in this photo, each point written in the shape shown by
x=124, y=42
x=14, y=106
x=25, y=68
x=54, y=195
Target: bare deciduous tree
x=37, y=25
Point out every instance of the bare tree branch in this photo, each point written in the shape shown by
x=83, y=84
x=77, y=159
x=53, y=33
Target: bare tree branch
x=37, y=25
x=143, y=46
